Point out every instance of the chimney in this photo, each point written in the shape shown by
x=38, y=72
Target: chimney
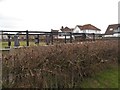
x=62, y=28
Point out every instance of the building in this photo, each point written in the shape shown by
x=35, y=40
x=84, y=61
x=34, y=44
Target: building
x=55, y=33
x=62, y=32
x=113, y=30
x=86, y=31
x=66, y=29
x=88, y=28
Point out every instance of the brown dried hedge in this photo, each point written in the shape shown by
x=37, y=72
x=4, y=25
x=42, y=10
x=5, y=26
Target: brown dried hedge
x=57, y=66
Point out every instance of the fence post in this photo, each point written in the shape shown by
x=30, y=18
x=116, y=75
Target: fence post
x=93, y=36
x=47, y=39
x=65, y=38
x=9, y=41
x=70, y=37
x=84, y=36
x=52, y=38
x=38, y=39
x=27, y=38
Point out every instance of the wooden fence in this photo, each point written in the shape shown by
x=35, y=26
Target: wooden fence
x=50, y=36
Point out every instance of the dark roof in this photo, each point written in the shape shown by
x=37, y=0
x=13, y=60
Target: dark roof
x=89, y=27
x=111, y=28
x=66, y=29
x=54, y=30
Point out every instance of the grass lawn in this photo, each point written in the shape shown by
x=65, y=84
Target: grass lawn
x=22, y=43
x=104, y=79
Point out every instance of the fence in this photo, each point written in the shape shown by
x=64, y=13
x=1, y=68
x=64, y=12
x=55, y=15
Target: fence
x=50, y=36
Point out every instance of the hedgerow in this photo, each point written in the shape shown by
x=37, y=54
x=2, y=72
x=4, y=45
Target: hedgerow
x=57, y=66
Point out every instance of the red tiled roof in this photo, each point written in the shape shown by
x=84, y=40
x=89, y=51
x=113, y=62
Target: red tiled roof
x=89, y=27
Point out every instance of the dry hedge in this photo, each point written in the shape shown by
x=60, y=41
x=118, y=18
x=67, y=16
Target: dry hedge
x=57, y=66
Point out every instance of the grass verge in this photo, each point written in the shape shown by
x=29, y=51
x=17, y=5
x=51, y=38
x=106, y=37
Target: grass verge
x=105, y=79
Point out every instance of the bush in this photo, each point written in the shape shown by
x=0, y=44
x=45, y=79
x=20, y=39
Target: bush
x=58, y=66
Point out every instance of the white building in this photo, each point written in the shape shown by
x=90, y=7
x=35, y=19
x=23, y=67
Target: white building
x=88, y=28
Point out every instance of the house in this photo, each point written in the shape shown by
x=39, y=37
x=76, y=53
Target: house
x=113, y=30
x=63, y=31
x=66, y=29
x=85, y=30
x=88, y=28
x=55, y=33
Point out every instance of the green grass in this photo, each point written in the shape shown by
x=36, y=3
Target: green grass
x=22, y=43
x=104, y=79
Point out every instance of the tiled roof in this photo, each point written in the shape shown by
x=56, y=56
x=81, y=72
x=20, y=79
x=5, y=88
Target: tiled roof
x=66, y=29
x=54, y=30
x=88, y=27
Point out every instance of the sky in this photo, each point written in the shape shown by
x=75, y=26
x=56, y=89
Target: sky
x=44, y=15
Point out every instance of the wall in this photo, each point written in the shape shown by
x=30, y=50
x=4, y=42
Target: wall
x=77, y=30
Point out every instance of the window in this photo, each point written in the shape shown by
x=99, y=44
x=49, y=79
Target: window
x=84, y=31
x=111, y=29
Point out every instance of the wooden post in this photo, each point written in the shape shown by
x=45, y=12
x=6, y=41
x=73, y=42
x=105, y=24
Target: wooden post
x=9, y=41
x=47, y=39
x=38, y=39
x=27, y=38
x=52, y=38
x=65, y=38
x=93, y=36
x=70, y=37
x=84, y=36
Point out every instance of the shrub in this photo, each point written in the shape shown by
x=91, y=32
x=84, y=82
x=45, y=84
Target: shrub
x=58, y=66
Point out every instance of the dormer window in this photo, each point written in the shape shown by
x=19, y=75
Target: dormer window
x=111, y=29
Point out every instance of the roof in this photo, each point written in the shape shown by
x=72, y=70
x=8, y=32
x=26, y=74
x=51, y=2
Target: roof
x=88, y=27
x=80, y=26
x=66, y=29
x=111, y=28
x=54, y=30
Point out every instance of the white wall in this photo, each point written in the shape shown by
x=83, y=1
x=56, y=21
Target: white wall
x=59, y=30
x=77, y=30
x=116, y=34
x=92, y=31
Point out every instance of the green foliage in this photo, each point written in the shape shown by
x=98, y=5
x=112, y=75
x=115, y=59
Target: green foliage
x=57, y=66
x=108, y=78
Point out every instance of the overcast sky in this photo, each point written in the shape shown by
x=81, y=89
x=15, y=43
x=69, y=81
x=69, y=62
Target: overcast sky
x=45, y=15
